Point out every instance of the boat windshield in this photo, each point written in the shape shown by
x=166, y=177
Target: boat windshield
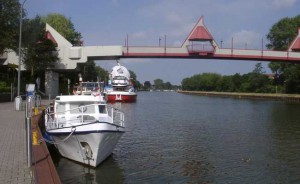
x=81, y=108
x=91, y=85
x=119, y=78
x=102, y=109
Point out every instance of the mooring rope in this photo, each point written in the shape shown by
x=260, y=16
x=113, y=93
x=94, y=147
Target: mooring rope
x=73, y=129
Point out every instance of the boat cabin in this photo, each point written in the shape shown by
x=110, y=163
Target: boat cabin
x=78, y=109
x=87, y=88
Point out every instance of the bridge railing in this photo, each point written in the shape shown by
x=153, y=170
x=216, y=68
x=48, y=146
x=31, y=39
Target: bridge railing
x=200, y=49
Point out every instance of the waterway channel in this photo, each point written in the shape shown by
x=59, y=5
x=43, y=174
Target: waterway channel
x=178, y=138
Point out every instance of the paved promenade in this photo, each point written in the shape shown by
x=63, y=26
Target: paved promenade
x=13, y=159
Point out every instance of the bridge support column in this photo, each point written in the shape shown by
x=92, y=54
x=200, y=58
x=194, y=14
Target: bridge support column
x=51, y=83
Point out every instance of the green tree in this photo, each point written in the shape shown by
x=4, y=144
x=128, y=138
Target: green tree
x=158, y=83
x=64, y=26
x=135, y=82
x=9, y=21
x=202, y=82
x=280, y=36
x=258, y=69
x=102, y=74
x=291, y=76
x=167, y=85
x=255, y=83
x=88, y=71
x=40, y=52
x=237, y=82
x=225, y=84
x=147, y=85
x=91, y=72
x=283, y=33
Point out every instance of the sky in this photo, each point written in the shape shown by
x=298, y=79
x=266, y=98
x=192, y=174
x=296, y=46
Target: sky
x=108, y=22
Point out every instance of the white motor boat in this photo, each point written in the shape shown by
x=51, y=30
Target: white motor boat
x=84, y=128
x=121, y=88
x=87, y=88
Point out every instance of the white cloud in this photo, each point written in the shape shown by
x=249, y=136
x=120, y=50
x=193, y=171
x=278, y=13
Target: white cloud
x=283, y=3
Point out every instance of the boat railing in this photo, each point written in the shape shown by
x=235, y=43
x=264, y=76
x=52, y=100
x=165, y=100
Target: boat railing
x=83, y=115
x=87, y=88
x=116, y=114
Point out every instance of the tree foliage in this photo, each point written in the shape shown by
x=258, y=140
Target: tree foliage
x=255, y=81
x=91, y=72
x=280, y=37
x=283, y=33
x=102, y=74
x=40, y=53
x=147, y=85
x=9, y=21
x=158, y=83
x=64, y=26
x=135, y=82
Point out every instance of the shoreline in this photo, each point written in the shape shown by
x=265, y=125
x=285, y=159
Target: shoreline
x=263, y=96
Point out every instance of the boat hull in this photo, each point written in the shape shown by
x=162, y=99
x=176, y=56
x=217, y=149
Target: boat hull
x=116, y=96
x=87, y=147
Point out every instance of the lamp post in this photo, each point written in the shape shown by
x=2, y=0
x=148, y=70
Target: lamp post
x=20, y=42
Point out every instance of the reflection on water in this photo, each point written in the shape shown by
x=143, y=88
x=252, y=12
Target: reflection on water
x=73, y=172
x=176, y=138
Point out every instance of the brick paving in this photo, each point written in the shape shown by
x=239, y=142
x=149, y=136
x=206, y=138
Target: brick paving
x=13, y=159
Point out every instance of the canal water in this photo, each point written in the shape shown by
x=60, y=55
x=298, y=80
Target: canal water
x=178, y=138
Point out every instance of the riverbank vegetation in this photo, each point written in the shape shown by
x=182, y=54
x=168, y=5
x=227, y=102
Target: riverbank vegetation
x=256, y=82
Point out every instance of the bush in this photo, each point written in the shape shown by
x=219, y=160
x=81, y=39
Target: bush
x=4, y=88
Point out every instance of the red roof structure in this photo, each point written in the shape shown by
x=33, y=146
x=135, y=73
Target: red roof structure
x=50, y=37
x=200, y=33
x=295, y=46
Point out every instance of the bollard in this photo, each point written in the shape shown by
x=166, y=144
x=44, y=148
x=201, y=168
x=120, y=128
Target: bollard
x=36, y=111
x=35, y=141
x=29, y=145
x=18, y=103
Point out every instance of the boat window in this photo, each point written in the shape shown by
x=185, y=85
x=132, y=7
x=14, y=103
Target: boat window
x=102, y=109
x=119, y=78
x=82, y=108
x=60, y=107
x=91, y=85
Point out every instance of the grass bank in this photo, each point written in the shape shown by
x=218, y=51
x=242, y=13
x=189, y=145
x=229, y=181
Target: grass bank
x=264, y=96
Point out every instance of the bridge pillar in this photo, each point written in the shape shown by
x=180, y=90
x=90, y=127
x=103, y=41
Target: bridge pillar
x=51, y=83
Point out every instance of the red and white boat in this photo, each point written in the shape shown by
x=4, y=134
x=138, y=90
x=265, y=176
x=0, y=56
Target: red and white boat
x=120, y=87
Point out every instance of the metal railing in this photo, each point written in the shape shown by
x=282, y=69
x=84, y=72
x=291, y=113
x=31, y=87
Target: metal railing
x=28, y=115
x=32, y=102
x=82, y=115
x=198, y=48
